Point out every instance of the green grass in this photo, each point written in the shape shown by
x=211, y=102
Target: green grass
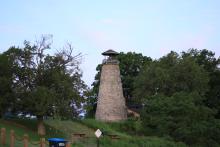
x=69, y=127
x=106, y=128
x=19, y=132
x=127, y=138
x=65, y=129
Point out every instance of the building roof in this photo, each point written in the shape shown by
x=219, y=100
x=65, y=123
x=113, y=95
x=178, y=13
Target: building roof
x=110, y=52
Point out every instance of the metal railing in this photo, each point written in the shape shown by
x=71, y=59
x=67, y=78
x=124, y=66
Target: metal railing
x=110, y=61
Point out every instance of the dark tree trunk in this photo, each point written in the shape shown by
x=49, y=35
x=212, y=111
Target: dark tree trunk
x=41, y=128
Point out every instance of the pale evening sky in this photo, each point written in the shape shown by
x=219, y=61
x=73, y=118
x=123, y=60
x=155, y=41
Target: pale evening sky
x=150, y=27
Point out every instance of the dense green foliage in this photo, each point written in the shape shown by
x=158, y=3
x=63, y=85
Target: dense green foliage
x=65, y=129
x=180, y=94
x=130, y=65
x=40, y=84
x=181, y=97
x=182, y=118
x=171, y=74
x=207, y=60
x=6, y=94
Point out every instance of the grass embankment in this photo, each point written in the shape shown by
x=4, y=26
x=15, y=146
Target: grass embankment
x=20, y=130
x=65, y=129
x=127, y=132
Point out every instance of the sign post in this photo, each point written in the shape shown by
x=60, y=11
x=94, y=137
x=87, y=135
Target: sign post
x=98, y=133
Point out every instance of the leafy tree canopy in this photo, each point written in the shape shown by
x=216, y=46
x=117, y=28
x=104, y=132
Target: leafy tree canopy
x=171, y=74
x=43, y=84
x=181, y=117
x=181, y=95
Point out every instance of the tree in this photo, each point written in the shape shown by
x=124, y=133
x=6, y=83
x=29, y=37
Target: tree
x=64, y=77
x=181, y=117
x=173, y=90
x=6, y=93
x=171, y=74
x=46, y=84
x=131, y=64
x=210, y=63
x=204, y=58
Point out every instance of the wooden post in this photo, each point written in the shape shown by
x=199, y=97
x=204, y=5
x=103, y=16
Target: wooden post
x=12, y=138
x=3, y=136
x=97, y=142
x=42, y=142
x=25, y=140
x=68, y=144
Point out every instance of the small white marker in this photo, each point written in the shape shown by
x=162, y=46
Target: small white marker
x=98, y=133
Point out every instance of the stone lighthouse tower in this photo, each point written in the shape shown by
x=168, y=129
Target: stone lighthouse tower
x=111, y=102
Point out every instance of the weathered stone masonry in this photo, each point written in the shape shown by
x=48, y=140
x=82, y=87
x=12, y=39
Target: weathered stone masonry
x=111, y=102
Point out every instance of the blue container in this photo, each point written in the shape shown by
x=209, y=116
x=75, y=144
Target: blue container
x=57, y=142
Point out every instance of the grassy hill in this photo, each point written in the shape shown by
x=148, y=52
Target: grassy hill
x=66, y=129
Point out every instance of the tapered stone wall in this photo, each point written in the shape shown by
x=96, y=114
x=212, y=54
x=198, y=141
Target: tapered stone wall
x=111, y=102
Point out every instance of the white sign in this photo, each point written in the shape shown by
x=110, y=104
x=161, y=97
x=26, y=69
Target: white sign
x=61, y=144
x=98, y=133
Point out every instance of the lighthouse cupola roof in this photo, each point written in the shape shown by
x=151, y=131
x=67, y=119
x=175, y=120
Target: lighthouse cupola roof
x=110, y=52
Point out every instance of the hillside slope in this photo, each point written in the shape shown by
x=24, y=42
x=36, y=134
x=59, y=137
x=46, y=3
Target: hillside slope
x=68, y=129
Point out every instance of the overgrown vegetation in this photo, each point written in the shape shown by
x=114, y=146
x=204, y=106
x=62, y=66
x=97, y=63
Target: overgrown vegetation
x=176, y=91
x=57, y=128
x=179, y=94
x=41, y=84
